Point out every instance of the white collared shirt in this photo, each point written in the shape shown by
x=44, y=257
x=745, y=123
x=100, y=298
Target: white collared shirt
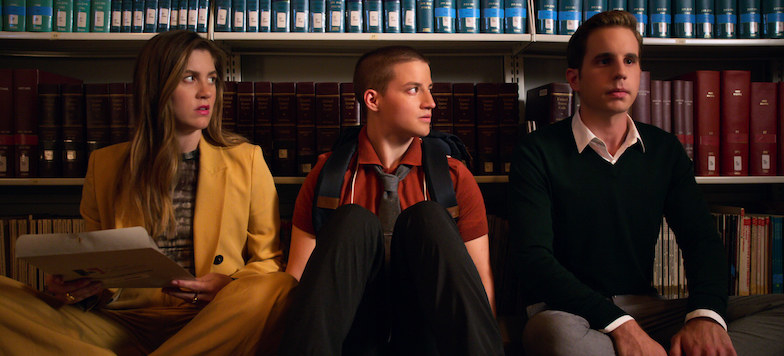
x=583, y=137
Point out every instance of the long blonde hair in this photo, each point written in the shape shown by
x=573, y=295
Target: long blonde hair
x=154, y=152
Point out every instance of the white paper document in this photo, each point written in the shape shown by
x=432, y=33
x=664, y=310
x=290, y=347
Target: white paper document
x=123, y=258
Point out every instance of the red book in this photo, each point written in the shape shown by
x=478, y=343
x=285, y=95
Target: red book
x=327, y=115
x=657, y=103
x=763, y=130
x=229, y=119
x=442, y=113
x=97, y=116
x=509, y=95
x=306, y=127
x=487, y=128
x=464, y=116
x=667, y=105
x=688, y=113
x=118, y=107
x=244, y=108
x=349, y=108
x=6, y=123
x=262, y=118
x=74, y=156
x=49, y=138
x=682, y=105
x=284, y=129
x=706, y=121
x=735, y=85
x=641, y=109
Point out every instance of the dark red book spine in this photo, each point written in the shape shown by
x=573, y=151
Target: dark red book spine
x=549, y=103
x=244, y=110
x=327, y=115
x=487, y=127
x=262, y=118
x=735, y=85
x=678, y=111
x=349, y=108
x=306, y=127
x=763, y=148
x=706, y=121
x=229, y=118
x=25, y=122
x=442, y=113
x=49, y=137
x=688, y=114
x=284, y=129
x=118, y=114
x=6, y=123
x=641, y=109
x=96, y=100
x=464, y=116
x=667, y=105
x=508, y=95
x=74, y=155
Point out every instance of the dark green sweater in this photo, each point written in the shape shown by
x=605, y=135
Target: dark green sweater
x=584, y=229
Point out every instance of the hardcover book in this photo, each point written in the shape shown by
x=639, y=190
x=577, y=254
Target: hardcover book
x=424, y=16
x=284, y=161
x=49, y=130
x=639, y=8
x=549, y=103
x=657, y=103
x=300, y=12
x=327, y=116
x=63, y=16
x=763, y=129
x=14, y=15
x=223, y=14
x=667, y=105
x=174, y=15
x=445, y=13
x=6, y=123
x=306, y=127
x=262, y=123
x=252, y=15
x=706, y=121
x=237, y=19
x=464, y=115
x=684, y=19
x=392, y=16
x=408, y=9
x=593, y=7
x=349, y=108
x=373, y=10
x=726, y=18
x=641, y=108
x=468, y=16
x=118, y=114
x=265, y=15
x=773, y=12
x=509, y=108
x=101, y=15
x=442, y=113
x=74, y=158
x=116, y=16
x=735, y=85
x=487, y=127
x=245, y=106
x=354, y=16
x=318, y=10
x=39, y=15
x=97, y=116
x=750, y=12
x=164, y=15
x=202, y=15
x=230, y=106
x=82, y=15
x=705, y=20
x=660, y=12
x=682, y=105
x=335, y=15
x=619, y=5
x=137, y=26
x=150, y=16
x=492, y=16
x=515, y=16
x=570, y=13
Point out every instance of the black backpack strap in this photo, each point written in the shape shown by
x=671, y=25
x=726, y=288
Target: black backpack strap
x=439, y=181
x=326, y=197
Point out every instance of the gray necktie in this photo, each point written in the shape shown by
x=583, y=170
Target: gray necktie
x=389, y=206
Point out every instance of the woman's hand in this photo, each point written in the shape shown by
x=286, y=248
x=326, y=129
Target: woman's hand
x=201, y=291
x=74, y=291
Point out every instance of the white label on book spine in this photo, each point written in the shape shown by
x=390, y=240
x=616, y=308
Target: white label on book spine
x=13, y=19
x=737, y=163
x=81, y=19
x=116, y=18
x=24, y=163
x=70, y=155
x=641, y=28
x=99, y=17
x=222, y=16
x=253, y=18
x=571, y=25
x=730, y=29
x=517, y=22
x=766, y=161
x=373, y=21
x=300, y=19
x=3, y=164
x=409, y=18
x=306, y=167
x=337, y=16
x=61, y=17
x=127, y=18
x=507, y=167
x=687, y=29
x=495, y=23
x=662, y=27
x=37, y=20
x=150, y=16
x=265, y=19
x=282, y=17
x=780, y=26
x=754, y=28
x=163, y=16
x=48, y=155
x=711, y=163
x=175, y=17
x=318, y=21
x=239, y=19
x=284, y=153
x=470, y=23
x=183, y=20
x=392, y=19
x=488, y=167
x=707, y=28
x=355, y=18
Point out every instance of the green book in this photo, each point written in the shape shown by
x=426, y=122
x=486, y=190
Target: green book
x=63, y=15
x=82, y=15
x=101, y=15
x=14, y=15
x=39, y=15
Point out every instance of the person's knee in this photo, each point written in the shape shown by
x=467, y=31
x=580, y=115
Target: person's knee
x=554, y=333
x=429, y=222
x=349, y=224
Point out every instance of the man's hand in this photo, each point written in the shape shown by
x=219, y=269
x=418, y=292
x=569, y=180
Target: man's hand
x=71, y=292
x=631, y=339
x=702, y=336
x=200, y=291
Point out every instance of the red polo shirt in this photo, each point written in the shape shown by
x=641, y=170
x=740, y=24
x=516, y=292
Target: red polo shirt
x=367, y=188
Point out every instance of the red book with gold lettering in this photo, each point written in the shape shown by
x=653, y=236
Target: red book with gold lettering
x=706, y=121
x=735, y=90
x=763, y=148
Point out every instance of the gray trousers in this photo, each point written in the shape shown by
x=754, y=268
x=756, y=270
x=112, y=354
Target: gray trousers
x=755, y=325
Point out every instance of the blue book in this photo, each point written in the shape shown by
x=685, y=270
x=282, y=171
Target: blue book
x=39, y=15
x=14, y=15
x=192, y=15
x=773, y=11
x=318, y=12
x=119, y=10
x=164, y=15
x=392, y=16
x=182, y=15
x=174, y=15
x=424, y=16
x=202, y=15
x=300, y=10
x=616, y=5
x=63, y=14
x=373, y=10
x=265, y=15
x=82, y=15
x=704, y=19
x=593, y=7
x=354, y=16
x=101, y=12
x=570, y=13
x=684, y=18
x=137, y=25
x=468, y=16
x=408, y=13
x=777, y=267
x=726, y=18
x=252, y=15
x=639, y=8
x=750, y=12
x=335, y=15
x=238, y=9
x=150, y=15
x=223, y=15
x=659, y=12
x=280, y=15
x=492, y=14
x=546, y=16
x=515, y=16
x=444, y=13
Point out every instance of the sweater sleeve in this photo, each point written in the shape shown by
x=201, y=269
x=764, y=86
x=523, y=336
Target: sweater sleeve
x=703, y=252
x=543, y=277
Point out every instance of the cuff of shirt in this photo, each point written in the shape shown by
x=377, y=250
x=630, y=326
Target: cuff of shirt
x=707, y=313
x=615, y=324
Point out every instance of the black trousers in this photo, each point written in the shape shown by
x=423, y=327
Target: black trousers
x=430, y=300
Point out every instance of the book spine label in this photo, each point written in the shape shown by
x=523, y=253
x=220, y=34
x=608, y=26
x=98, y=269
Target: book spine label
x=299, y=15
x=409, y=14
x=174, y=15
x=82, y=16
x=374, y=21
x=639, y=8
x=349, y=108
x=515, y=16
x=444, y=13
x=492, y=14
x=750, y=13
x=424, y=16
x=150, y=16
x=335, y=15
x=735, y=122
x=238, y=9
x=392, y=16
x=39, y=15
x=546, y=16
x=182, y=15
x=354, y=16
x=726, y=18
x=63, y=13
x=569, y=16
x=318, y=12
x=468, y=16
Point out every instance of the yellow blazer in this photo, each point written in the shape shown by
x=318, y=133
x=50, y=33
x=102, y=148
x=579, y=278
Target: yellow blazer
x=236, y=219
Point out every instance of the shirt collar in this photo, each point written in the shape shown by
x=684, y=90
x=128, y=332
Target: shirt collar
x=367, y=154
x=583, y=135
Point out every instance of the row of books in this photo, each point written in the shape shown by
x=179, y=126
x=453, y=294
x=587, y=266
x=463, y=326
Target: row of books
x=728, y=125
x=104, y=15
x=754, y=250
x=670, y=18
x=669, y=277
x=13, y=227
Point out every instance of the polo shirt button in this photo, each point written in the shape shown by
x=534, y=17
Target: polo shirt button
x=218, y=259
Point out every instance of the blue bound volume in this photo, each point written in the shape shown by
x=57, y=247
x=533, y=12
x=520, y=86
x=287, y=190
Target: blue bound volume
x=300, y=12
x=616, y=5
x=354, y=16
x=265, y=15
x=639, y=8
x=704, y=19
x=202, y=16
x=374, y=10
x=63, y=13
x=593, y=7
x=335, y=15
x=774, y=18
x=515, y=16
x=408, y=12
x=150, y=16
x=138, y=16
x=116, y=17
x=750, y=13
x=252, y=15
x=238, y=9
x=223, y=15
x=726, y=18
x=546, y=16
x=317, y=13
x=569, y=15
x=684, y=19
x=424, y=16
x=280, y=15
x=492, y=15
x=468, y=16
x=659, y=12
x=392, y=16
x=444, y=16
x=164, y=15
